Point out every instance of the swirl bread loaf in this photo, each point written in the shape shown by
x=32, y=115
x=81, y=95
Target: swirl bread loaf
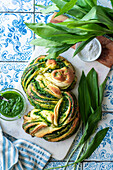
x=47, y=84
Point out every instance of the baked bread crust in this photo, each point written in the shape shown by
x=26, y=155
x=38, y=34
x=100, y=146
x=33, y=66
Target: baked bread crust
x=47, y=84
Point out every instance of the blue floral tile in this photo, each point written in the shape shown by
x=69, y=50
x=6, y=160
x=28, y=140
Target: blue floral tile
x=16, y=5
x=42, y=18
x=98, y=166
x=10, y=73
x=105, y=150
x=108, y=93
x=59, y=164
x=15, y=37
x=41, y=2
x=74, y=144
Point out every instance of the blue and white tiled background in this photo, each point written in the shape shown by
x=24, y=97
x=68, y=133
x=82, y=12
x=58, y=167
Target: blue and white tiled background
x=15, y=52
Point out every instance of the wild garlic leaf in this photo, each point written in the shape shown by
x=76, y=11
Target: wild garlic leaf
x=44, y=42
x=99, y=13
x=91, y=2
x=91, y=125
x=59, y=3
x=42, y=6
x=59, y=49
x=43, y=30
x=82, y=45
x=52, y=56
x=94, y=144
x=75, y=23
x=84, y=99
x=76, y=31
x=66, y=7
x=53, y=34
x=94, y=28
x=85, y=4
x=101, y=91
x=51, y=8
x=77, y=12
x=111, y=3
x=92, y=80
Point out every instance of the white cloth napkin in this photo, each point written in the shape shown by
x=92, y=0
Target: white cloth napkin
x=21, y=155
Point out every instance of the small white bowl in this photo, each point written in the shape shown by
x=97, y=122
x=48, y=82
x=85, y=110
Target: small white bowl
x=86, y=53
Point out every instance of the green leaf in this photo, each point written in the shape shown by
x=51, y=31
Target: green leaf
x=77, y=12
x=101, y=91
x=91, y=2
x=91, y=124
x=55, y=52
x=61, y=36
x=66, y=7
x=111, y=3
x=59, y=3
x=98, y=22
x=43, y=30
x=44, y=42
x=76, y=31
x=59, y=49
x=82, y=45
x=75, y=23
x=84, y=99
x=42, y=6
x=84, y=29
x=86, y=4
x=94, y=144
x=92, y=80
x=52, y=56
x=99, y=13
x=50, y=8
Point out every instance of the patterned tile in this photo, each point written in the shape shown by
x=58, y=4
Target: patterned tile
x=74, y=144
x=98, y=166
x=42, y=2
x=15, y=37
x=108, y=94
x=10, y=73
x=42, y=18
x=16, y=5
x=59, y=164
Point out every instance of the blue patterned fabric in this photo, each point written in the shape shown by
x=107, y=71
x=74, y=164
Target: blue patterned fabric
x=21, y=154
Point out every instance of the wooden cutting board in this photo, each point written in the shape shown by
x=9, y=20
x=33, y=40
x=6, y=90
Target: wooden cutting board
x=102, y=66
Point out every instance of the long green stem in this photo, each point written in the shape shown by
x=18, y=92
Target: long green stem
x=80, y=151
x=75, y=147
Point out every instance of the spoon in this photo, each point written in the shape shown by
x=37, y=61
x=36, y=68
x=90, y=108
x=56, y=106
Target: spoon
x=2, y=98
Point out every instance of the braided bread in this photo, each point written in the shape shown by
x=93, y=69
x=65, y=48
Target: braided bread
x=47, y=84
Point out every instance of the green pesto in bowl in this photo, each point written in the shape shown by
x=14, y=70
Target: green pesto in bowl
x=15, y=107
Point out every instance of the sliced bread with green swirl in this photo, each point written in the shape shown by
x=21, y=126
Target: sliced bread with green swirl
x=47, y=84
